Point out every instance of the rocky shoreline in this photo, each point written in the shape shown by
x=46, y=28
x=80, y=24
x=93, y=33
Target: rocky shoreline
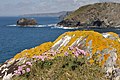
x=104, y=15
x=87, y=27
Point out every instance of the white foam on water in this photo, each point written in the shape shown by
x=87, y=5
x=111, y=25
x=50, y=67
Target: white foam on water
x=48, y=25
x=65, y=27
x=12, y=25
x=51, y=25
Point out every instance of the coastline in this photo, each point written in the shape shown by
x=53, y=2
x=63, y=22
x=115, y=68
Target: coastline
x=64, y=45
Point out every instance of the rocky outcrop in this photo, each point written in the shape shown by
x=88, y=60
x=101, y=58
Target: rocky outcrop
x=104, y=15
x=100, y=49
x=26, y=22
x=68, y=23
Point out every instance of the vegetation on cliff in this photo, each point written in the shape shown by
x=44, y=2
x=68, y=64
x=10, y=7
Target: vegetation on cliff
x=64, y=68
x=98, y=14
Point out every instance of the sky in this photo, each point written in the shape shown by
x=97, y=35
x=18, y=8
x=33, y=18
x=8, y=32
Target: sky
x=20, y=7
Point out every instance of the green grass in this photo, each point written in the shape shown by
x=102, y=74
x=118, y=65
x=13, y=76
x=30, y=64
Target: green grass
x=78, y=12
x=64, y=68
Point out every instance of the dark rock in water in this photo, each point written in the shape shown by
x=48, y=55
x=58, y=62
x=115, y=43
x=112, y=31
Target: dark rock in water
x=26, y=22
x=68, y=23
x=107, y=13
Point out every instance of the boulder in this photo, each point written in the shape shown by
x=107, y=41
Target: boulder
x=26, y=22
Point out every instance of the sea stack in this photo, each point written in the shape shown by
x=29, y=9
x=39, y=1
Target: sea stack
x=26, y=22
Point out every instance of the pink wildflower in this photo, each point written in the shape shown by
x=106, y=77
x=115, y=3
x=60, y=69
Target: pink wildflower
x=35, y=57
x=76, y=54
x=19, y=73
x=83, y=52
x=16, y=71
x=78, y=51
x=71, y=48
x=51, y=51
x=39, y=57
x=29, y=63
x=23, y=71
x=66, y=53
x=19, y=68
x=28, y=70
x=42, y=58
x=23, y=66
x=76, y=48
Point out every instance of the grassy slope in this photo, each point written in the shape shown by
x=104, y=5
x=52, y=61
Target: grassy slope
x=64, y=68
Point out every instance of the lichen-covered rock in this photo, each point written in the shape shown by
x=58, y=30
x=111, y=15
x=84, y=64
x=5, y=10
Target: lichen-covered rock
x=101, y=49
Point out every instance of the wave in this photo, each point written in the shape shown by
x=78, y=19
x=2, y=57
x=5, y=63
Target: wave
x=52, y=26
x=41, y=25
x=61, y=27
x=12, y=25
x=47, y=25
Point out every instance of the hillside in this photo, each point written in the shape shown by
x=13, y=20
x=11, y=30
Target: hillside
x=57, y=14
x=98, y=14
x=88, y=51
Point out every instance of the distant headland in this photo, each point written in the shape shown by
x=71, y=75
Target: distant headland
x=55, y=14
x=105, y=15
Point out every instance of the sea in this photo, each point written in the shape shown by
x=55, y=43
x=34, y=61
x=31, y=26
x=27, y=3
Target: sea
x=14, y=39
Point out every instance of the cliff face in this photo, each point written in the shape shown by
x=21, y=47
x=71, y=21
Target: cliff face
x=100, y=49
x=99, y=14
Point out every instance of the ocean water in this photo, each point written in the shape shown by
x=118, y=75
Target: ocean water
x=14, y=39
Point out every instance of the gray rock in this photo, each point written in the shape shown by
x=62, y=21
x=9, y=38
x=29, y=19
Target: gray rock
x=26, y=22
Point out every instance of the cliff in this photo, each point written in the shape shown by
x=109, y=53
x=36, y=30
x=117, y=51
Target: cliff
x=104, y=15
x=85, y=48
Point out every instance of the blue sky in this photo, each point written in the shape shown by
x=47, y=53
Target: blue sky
x=19, y=7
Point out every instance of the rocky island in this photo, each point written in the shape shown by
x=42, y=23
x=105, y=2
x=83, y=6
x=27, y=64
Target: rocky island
x=26, y=22
x=104, y=15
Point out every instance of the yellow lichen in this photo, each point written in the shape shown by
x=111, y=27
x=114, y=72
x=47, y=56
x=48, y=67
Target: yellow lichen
x=113, y=34
x=106, y=56
x=34, y=51
x=91, y=61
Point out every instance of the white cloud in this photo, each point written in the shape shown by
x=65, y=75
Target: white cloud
x=17, y=7
x=75, y=1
